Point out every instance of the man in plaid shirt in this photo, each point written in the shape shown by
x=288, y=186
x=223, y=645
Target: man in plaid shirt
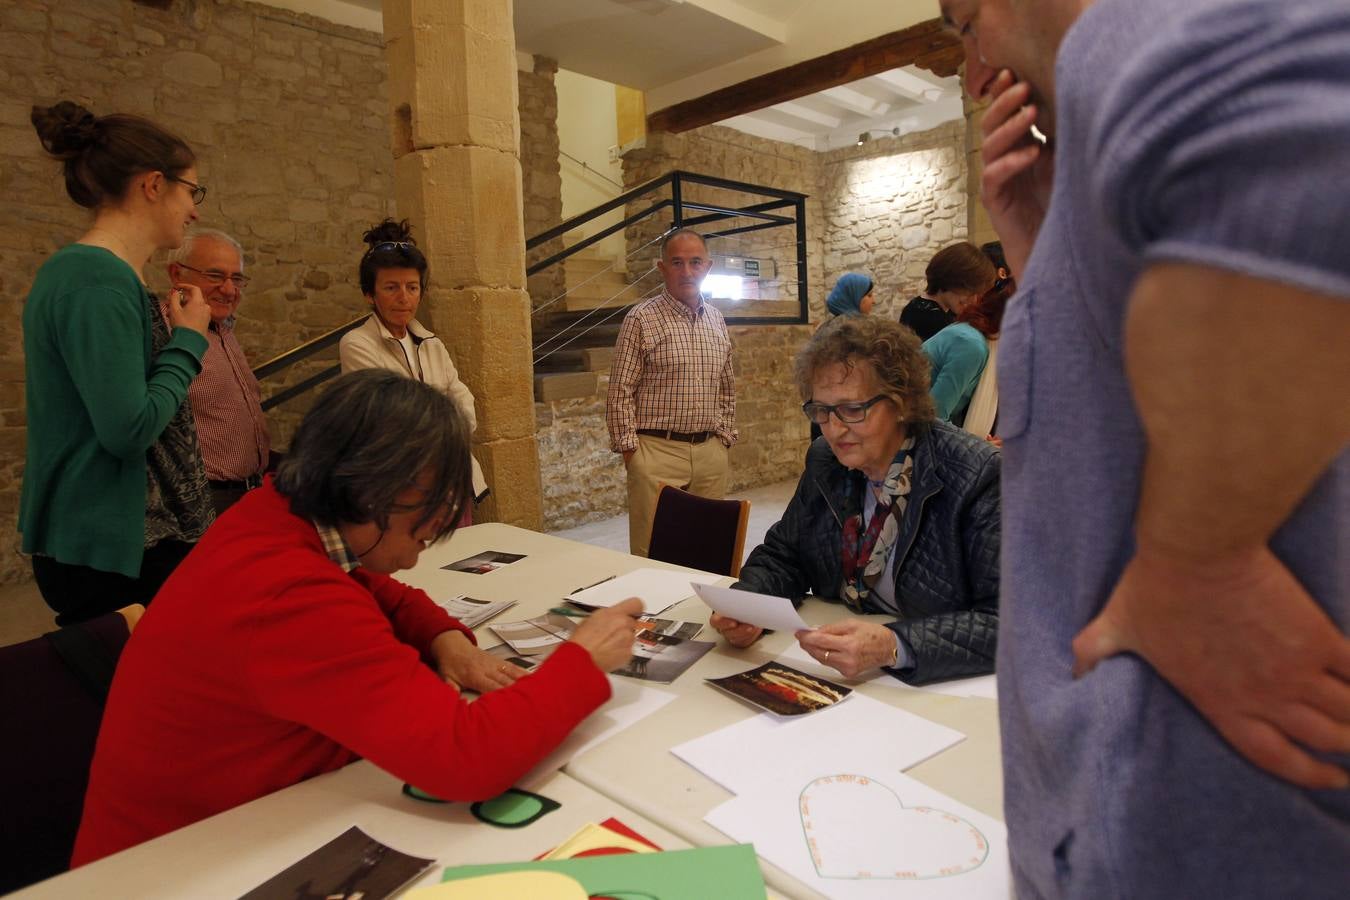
x=225, y=397
x=671, y=408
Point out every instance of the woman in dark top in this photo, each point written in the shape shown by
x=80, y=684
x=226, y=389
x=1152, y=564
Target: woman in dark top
x=957, y=275
x=896, y=514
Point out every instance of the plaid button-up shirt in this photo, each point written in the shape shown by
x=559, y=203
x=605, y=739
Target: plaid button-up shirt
x=227, y=404
x=336, y=547
x=671, y=371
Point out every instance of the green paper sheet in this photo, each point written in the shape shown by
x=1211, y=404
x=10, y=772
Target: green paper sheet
x=728, y=873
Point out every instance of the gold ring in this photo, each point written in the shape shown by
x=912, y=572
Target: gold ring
x=827, y=656
x=502, y=669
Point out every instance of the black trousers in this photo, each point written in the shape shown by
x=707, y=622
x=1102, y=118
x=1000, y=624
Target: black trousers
x=77, y=593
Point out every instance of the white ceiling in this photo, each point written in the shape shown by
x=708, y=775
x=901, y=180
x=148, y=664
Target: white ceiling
x=895, y=102
x=675, y=50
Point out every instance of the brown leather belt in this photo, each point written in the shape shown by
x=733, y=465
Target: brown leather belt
x=696, y=437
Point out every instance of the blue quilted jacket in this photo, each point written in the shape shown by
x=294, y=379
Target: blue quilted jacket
x=946, y=577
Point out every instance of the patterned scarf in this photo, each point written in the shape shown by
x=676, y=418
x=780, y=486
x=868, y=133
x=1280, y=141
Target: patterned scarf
x=177, y=495
x=867, y=550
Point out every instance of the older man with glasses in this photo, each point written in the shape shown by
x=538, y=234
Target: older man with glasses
x=226, y=400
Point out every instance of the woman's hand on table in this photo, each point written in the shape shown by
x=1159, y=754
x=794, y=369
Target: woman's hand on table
x=607, y=634
x=850, y=646
x=462, y=664
x=738, y=634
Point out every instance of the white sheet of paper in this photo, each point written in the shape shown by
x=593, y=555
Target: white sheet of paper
x=659, y=589
x=740, y=756
x=851, y=833
x=630, y=703
x=979, y=686
x=763, y=610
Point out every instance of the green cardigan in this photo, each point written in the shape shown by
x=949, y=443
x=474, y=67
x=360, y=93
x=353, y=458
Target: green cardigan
x=96, y=402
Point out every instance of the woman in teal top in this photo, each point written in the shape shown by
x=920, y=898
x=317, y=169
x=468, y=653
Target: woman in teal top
x=960, y=351
x=114, y=492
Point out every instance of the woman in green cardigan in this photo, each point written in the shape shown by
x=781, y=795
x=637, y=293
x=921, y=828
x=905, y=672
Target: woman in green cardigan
x=114, y=493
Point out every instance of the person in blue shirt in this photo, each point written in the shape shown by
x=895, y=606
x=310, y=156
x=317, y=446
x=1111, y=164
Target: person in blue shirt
x=1173, y=660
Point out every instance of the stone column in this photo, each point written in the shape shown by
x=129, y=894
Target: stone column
x=456, y=136
x=977, y=220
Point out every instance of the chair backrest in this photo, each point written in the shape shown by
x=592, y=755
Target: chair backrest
x=693, y=531
x=52, y=691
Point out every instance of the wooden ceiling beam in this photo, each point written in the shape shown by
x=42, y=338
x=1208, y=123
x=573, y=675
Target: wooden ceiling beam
x=927, y=45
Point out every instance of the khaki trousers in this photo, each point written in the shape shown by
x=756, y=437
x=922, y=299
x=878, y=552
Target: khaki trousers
x=698, y=468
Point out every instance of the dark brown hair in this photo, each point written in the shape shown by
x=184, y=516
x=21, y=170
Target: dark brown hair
x=368, y=438
x=100, y=155
x=403, y=254
x=893, y=351
x=960, y=267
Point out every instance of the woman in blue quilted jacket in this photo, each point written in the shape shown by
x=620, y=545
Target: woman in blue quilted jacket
x=896, y=513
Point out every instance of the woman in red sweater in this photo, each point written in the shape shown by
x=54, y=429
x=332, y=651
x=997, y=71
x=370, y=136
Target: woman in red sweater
x=281, y=648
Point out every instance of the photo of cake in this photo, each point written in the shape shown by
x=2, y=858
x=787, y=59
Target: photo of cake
x=782, y=690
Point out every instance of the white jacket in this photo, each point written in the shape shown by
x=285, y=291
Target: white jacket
x=371, y=346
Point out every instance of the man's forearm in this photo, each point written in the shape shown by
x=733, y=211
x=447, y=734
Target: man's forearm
x=1239, y=384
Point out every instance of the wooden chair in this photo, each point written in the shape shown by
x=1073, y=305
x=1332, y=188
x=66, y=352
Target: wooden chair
x=52, y=691
x=697, y=532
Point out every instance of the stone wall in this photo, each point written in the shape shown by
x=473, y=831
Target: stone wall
x=883, y=208
x=289, y=117
x=541, y=176
x=890, y=205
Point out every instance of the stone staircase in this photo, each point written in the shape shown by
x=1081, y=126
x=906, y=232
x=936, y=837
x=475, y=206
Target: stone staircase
x=596, y=289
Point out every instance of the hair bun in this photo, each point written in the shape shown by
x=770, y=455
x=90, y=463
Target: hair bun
x=389, y=230
x=65, y=129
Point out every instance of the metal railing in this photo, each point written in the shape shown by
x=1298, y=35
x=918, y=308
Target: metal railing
x=765, y=214
x=302, y=352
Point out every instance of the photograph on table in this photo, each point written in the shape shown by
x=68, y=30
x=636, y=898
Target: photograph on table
x=662, y=649
x=782, y=690
x=662, y=658
x=485, y=562
x=472, y=612
x=352, y=866
x=504, y=652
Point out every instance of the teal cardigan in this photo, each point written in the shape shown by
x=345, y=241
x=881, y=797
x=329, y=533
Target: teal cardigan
x=958, y=353
x=96, y=402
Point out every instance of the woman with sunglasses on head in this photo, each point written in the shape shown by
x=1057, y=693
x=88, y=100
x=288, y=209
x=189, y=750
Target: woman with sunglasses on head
x=114, y=492
x=897, y=513
x=393, y=277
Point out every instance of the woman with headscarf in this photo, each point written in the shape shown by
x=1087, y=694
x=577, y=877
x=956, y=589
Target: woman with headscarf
x=852, y=295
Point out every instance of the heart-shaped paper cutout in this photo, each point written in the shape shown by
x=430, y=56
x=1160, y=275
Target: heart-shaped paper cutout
x=857, y=827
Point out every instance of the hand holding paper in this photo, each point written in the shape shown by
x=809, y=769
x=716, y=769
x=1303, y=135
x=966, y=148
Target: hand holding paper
x=751, y=608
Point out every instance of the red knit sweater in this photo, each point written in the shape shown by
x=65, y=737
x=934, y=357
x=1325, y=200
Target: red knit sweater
x=261, y=663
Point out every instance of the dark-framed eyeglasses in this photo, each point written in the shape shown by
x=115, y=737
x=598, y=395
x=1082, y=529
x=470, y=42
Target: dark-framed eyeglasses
x=198, y=192
x=850, y=413
x=217, y=278
x=393, y=245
